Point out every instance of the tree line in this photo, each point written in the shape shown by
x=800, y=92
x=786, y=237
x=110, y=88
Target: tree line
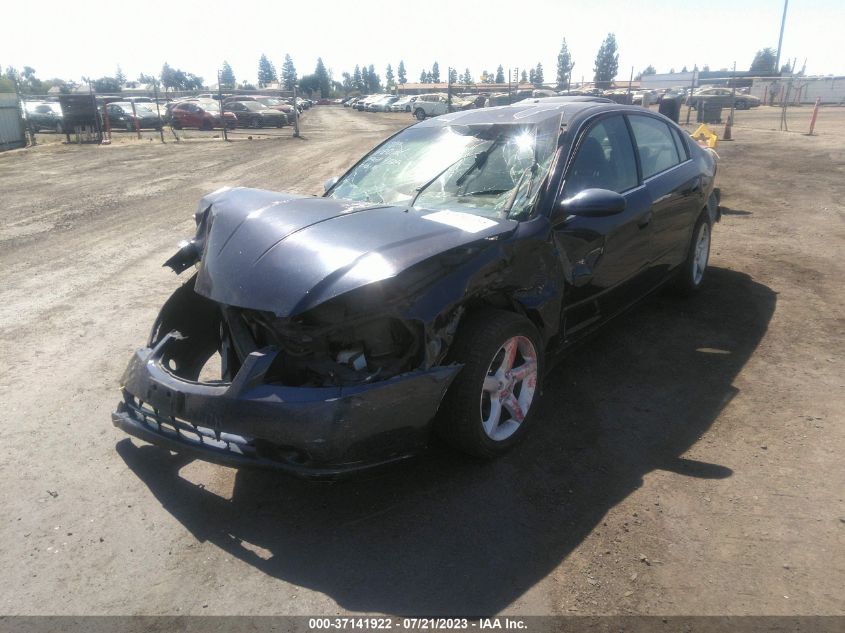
x=364, y=77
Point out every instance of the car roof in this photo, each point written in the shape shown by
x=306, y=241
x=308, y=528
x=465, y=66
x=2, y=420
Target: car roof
x=536, y=111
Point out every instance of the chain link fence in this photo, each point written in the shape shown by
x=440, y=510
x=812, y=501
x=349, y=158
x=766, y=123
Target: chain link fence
x=90, y=117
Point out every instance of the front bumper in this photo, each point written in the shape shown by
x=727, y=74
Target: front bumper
x=312, y=432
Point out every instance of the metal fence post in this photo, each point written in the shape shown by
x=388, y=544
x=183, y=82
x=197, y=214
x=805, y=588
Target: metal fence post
x=295, y=114
x=815, y=114
x=158, y=111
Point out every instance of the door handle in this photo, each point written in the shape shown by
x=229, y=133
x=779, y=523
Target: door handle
x=645, y=220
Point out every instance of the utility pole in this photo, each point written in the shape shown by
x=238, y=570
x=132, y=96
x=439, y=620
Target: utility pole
x=780, y=38
x=295, y=114
x=448, y=88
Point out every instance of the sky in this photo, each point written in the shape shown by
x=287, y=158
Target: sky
x=198, y=36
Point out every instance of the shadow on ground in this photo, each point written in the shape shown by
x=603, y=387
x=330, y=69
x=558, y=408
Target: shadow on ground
x=444, y=534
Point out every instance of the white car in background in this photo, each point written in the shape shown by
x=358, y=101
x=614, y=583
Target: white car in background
x=383, y=104
x=433, y=104
x=405, y=104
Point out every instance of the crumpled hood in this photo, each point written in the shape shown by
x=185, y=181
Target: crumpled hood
x=286, y=253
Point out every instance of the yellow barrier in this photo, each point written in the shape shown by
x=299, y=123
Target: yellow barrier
x=705, y=137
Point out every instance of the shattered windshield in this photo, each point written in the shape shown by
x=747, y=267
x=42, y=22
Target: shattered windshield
x=493, y=170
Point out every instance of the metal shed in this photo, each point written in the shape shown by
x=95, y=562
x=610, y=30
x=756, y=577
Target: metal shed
x=12, y=133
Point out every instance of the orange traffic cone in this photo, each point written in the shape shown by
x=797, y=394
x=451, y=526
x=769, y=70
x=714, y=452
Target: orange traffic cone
x=727, y=135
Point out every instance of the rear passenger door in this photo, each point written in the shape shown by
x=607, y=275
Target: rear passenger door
x=673, y=184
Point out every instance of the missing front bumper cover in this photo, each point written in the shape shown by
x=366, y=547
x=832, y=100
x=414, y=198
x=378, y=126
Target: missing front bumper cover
x=310, y=431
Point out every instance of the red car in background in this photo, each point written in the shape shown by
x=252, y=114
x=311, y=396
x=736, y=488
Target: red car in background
x=201, y=115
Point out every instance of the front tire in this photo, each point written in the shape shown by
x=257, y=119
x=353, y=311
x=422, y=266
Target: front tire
x=693, y=270
x=420, y=114
x=489, y=405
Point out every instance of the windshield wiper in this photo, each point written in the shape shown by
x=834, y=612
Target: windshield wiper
x=480, y=159
x=428, y=183
x=532, y=169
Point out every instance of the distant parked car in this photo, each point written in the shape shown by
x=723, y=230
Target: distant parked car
x=120, y=115
x=723, y=97
x=275, y=103
x=255, y=114
x=202, y=115
x=383, y=104
x=45, y=116
x=433, y=104
x=404, y=104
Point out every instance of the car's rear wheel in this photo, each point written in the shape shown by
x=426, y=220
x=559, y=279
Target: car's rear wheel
x=419, y=113
x=740, y=105
x=693, y=270
x=176, y=124
x=489, y=405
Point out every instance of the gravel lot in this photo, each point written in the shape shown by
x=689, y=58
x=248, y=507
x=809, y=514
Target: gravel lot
x=686, y=461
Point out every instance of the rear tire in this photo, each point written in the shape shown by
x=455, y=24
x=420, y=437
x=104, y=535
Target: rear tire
x=693, y=271
x=420, y=114
x=176, y=124
x=489, y=405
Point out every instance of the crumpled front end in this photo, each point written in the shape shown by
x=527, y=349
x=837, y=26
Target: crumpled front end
x=321, y=413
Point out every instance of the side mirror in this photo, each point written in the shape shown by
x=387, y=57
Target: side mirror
x=330, y=183
x=591, y=203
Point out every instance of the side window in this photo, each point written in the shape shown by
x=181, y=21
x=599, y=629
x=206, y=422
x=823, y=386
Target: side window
x=655, y=145
x=683, y=149
x=605, y=159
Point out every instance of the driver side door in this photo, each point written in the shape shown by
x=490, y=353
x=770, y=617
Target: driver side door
x=606, y=257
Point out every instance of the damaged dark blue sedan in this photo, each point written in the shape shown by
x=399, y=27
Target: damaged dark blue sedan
x=425, y=292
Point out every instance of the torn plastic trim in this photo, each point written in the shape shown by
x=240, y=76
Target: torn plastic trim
x=325, y=427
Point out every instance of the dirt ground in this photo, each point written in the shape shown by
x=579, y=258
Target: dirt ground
x=686, y=461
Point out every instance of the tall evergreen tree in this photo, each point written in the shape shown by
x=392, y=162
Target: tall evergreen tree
x=227, y=76
x=323, y=80
x=365, y=78
x=401, y=73
x=374, y=81
x=764, y=62
x=467, y=78
x=564, y=67
x=500, y=75
x=119, y=77
x=424, y=76
x=266, y=72
x=523, y=77
x=607, y=62
x=288, y=78
x=532, y=76
x=358, y=78
x=539, y=79
x=435, y=73
x=453, y=76
x=388, y=76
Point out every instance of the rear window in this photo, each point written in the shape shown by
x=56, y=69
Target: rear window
x=656, y=145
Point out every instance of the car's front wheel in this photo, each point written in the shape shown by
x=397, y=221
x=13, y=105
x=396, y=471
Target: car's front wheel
x=489, y=405
x=419, y=113
x=692, y=272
